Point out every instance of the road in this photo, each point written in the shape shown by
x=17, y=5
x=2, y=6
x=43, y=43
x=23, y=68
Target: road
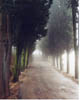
x=42, y=81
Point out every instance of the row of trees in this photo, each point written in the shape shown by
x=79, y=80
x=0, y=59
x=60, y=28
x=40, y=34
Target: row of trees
x=62, y=33
x=22, y=22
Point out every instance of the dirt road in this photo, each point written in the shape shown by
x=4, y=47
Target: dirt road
x=42, y=81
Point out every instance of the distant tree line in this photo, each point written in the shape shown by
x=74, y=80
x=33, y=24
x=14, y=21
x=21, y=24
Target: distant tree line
x=62, y=34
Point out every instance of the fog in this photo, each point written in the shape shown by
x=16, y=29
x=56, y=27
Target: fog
x=38, y=55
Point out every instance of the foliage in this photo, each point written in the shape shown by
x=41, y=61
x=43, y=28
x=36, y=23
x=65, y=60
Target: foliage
x=28, y=20
x=60, y=29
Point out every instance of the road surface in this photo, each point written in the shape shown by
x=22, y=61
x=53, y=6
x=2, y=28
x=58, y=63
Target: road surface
x=42, y=81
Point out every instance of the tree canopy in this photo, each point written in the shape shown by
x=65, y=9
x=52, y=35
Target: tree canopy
x=59, y=29
x=29, y=21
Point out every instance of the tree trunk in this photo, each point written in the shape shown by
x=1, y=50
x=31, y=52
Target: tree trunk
x=5, y=69
x=24, y=58
x=54, y=61
x=17, y=66
x=61, y=66
x=5, y=53
x=4, y=46
x=28, y=58
x=6, y=72
x=2, y=92
x=76, y=48
x=9, y=58
x=57, y=61
x=68, y=61
x=76, y=64
x=1, y=58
